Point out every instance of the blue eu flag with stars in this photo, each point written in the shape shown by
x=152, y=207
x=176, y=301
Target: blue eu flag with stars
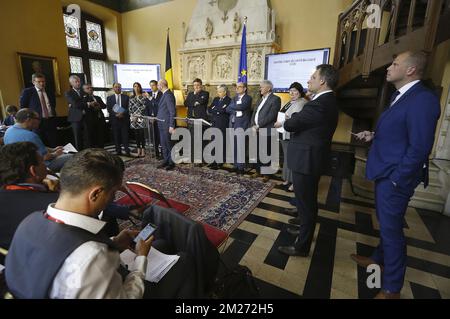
x=242, y=76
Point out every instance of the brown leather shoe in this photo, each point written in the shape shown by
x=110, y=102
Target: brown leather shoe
x=364, y=261
x=255, y=175
x=383, y=294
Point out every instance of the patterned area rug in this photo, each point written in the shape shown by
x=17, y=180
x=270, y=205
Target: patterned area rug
x=217, y=198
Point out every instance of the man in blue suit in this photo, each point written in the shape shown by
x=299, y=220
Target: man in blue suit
x=398, y=163
x=240, y=110
x=166, y=113
x=120, y=121
x=43, y=102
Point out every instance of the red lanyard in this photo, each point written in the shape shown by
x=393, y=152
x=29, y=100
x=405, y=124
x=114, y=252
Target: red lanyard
x=19, y=188
x=46, y=215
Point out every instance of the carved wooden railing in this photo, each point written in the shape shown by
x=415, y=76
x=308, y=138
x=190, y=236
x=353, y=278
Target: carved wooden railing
x=405, y=25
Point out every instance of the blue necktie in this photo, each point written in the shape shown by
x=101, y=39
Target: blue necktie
x=394, y=96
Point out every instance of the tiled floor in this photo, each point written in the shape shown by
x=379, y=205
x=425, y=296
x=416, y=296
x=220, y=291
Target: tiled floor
x=346, y=225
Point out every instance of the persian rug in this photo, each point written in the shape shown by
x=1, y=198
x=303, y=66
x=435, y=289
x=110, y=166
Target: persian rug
x=217, y=198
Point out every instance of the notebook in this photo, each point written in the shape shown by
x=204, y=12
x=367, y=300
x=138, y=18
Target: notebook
x=158, y=264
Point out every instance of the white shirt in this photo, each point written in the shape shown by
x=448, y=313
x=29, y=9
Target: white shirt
x=90, y=272
x=47, y=101
x=260, y=107
x=405, y=88
x=321, y=93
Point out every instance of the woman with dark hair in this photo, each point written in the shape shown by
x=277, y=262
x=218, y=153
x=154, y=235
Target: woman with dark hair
x=295, y=105
x=11, y=110
x=138, y=102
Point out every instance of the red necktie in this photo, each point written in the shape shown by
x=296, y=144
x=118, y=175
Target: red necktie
x=43, y=104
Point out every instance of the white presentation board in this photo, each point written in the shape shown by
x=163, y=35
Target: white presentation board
x=285, y=68
x=127, y=74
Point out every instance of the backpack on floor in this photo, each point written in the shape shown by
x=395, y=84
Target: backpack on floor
x=236, y=283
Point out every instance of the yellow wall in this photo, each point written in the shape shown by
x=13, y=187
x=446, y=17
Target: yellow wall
x=145, y=30
x=22, y=31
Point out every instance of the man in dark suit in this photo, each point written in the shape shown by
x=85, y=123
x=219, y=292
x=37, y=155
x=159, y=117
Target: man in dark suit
x=263, y=119
x=152, y=110
x=120, y=122
x=42, y=101
x=197, y=104
x=309, y=150
x=95, y=119
x=240, y=110
x=166, y=113
x=78, y=106
x=220, y=118
x=398, y=163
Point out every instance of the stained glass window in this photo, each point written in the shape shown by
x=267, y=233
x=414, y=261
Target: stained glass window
x=94, y=37
x=76, y=64
x=72, y=28
x=98, y=73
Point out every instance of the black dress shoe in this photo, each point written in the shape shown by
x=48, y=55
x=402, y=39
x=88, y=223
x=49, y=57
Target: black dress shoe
x=294, y=221
x=293, y=231
x=291, y=251
x=290, y=211
x=170, y=167
x=162, y=165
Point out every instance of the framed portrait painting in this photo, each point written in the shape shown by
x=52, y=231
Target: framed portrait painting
x=30, y=64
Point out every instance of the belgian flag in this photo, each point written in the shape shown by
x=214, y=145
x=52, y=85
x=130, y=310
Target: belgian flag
x=169, y=72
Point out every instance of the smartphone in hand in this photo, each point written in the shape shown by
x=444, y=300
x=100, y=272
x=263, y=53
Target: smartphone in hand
x=145, y=234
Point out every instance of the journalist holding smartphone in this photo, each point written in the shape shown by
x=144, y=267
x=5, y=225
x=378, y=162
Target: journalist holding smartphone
x=67, y=254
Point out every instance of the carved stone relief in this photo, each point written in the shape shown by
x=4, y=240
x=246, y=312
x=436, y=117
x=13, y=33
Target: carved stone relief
x=236, y=23
x=196, y=67
x=255, y=65
x=222, y=66
x=209, y=28
x=211, y=49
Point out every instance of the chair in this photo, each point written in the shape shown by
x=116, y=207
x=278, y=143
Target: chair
x=134, y=187
x=138, y=194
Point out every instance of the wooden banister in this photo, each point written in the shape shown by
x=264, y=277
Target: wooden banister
x=402, y=34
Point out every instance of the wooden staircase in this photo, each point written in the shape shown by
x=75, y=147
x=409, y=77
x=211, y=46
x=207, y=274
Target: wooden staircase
x=362, y=55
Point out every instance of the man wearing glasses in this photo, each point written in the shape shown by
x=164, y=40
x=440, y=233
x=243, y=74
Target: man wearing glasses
x=26, y=121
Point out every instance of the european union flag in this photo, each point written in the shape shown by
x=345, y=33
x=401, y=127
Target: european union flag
x=242, y=76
